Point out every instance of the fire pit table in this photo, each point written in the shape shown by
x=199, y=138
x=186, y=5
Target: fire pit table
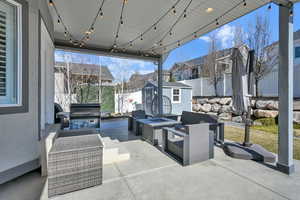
x=152, y=128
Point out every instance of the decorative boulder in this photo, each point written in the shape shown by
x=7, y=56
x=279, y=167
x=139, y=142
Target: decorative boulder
x=215, y=108
x=206, y=108
x=237, y=119
x=226, y=109
x=265, y=113
x=225, y=101
x=262, y=104
x=202, y=101
x=296, y=117
x=225, y=116
x=273, y=105
x=253, y=102
x=196, y=107
x=214, y=100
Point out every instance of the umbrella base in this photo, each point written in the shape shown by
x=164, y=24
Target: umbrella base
x=252, y=152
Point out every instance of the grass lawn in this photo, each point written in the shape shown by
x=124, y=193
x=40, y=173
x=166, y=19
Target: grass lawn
x=274, y=129
x=267, y=139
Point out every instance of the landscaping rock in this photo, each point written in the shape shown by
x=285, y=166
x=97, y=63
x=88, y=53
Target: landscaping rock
x=237, y=119
x=253, y=102
x=196, y=107
x=225, y=101
x=225, y=116
x=261, y=104
x=226, y=109
x=297, y=105
x=205, y=108
x=273, y=105
x=214, y=100
x=215, y=108
x=265, y=113
x=297, y=117
x=202, y=101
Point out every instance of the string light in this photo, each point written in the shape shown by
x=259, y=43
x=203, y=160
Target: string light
x=184, y=15
x=245, y=3
x=141, y=37
x=195, y=35
x=164, y=48
x=270, y=5
x=175, y=23
x=122, y=22
x=65, y=33
x=154, y=25
x=174, y=10
x=131, y=44
x=125, y=1
x=51, y=2
x=291, y=13
x=101, y=14
x=92, y=29
x=58, y=21
x=178, y=44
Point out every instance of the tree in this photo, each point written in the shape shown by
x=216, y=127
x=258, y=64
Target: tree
x=211, y=67
x=238, y=37
x=259, y=40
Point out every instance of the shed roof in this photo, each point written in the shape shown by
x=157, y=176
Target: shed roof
x=171, y=84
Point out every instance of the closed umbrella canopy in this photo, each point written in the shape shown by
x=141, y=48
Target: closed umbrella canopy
x=240, y=95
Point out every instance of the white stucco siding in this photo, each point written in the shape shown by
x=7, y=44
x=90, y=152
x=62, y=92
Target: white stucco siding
x=19, y=132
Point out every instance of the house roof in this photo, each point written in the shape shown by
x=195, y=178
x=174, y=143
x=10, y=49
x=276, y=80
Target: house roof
x=200, y=60
x=171, y=84
x=88, y=69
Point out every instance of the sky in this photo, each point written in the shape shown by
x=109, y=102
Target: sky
x=124, y=68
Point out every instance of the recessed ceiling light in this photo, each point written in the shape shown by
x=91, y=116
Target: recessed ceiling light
x=209, y=10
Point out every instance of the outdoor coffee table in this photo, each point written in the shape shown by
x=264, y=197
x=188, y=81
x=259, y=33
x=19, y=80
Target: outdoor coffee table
x=152, y=128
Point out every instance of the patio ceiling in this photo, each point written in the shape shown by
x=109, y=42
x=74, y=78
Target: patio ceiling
x=150, y=28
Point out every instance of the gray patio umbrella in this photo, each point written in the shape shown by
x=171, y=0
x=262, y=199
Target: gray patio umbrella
x=242, y=85
x=240, y=95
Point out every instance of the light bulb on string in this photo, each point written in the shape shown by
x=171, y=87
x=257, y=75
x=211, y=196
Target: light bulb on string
x=217, y=22
x=291, y=13
x=245, y=3
x=155, y=28
x=184, y=15
x=101, y=14
x=195, y=35
x=174, y=10
x=141, y=37
x=51, y=2
x=58, y=21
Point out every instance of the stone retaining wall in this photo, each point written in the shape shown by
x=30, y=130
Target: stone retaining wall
x=222, y=108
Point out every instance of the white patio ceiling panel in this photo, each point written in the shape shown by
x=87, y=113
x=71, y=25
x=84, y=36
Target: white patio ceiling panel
x=138, y=15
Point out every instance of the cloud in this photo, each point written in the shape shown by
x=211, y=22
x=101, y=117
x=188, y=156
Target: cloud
x=225, y=35
x=205, y=38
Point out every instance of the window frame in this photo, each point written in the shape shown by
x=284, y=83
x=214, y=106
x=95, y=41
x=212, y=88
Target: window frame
x=179, y=95
x=22, y=65
x=297, y=57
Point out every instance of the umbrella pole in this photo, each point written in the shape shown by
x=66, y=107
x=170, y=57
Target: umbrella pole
x=248, y=123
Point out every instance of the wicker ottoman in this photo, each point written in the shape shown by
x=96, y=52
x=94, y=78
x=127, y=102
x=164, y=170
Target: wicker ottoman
x=75, y=163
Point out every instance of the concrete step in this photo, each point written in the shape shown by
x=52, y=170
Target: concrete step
x=113, y=151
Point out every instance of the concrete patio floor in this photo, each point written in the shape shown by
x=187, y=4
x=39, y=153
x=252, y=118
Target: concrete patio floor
x=150, y=174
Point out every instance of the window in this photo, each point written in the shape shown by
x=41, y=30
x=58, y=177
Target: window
x=10, y=54
x=297, y=52
x=176, y=96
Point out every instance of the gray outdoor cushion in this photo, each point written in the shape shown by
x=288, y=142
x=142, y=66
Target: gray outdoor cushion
x=197, y=118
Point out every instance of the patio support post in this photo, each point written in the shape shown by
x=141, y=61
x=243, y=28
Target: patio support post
x=285, y=90
x=159, y=85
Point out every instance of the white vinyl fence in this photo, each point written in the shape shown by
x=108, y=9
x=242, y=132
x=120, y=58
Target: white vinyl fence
x=204, y=86
x=128, y=102
x=267, y=87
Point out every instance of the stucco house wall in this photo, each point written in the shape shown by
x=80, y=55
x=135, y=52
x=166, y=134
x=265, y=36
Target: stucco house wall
x=19, y=133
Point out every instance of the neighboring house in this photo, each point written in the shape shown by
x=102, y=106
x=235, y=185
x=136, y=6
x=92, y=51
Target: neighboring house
x=137, y=81
x=177, y=97
x=79, y=74
x=193, y=69
x=268, y=85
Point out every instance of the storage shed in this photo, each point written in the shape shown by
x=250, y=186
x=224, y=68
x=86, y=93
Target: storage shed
x=177, y=97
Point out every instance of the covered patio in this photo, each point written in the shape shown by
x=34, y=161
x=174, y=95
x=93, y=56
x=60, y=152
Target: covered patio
x=149, y=174
x=146, y=30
